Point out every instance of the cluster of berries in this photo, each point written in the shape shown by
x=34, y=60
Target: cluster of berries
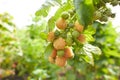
x=103, y=13
x=63, y=39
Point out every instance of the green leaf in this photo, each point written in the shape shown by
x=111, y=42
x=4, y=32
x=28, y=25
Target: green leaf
x=49, y=49
x=58, y=1
x=88, y=50
x=43, y=35
x=92, y=49
x=36, y=19
x=89, y=37
x=90, y=30
x=43, y=11
x=114, y=53
x=88, y=57
x=51, y=23
x=84, y=10
x=3, y=28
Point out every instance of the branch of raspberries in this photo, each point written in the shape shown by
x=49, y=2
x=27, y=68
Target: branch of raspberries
x=68, y=32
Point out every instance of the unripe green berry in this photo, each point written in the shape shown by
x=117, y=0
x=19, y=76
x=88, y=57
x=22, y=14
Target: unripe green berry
x=65, y=15
x=60, y=53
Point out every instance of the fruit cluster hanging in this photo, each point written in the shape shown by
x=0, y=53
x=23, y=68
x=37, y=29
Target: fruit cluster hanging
x=68, y=32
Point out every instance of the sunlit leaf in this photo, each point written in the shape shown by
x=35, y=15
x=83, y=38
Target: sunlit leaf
x=92, y=49
x=43, y=11
x=90, y=30
x=89, y=37
x=84, y=10
x=88, y=50
x=88, y=57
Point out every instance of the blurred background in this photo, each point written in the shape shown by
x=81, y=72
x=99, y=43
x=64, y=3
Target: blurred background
x=20, y=9
x=23, y=45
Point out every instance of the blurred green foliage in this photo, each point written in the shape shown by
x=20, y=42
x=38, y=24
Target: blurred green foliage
x=23, y=52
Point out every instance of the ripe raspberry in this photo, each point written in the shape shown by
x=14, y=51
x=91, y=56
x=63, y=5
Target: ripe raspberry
x=60, y=61
x=61, y=23
x=51, y=36
x=82, y=38
x=59, y=43
x=54, y=53
x=51, y=59
x=68, y=53
x=78, y=26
